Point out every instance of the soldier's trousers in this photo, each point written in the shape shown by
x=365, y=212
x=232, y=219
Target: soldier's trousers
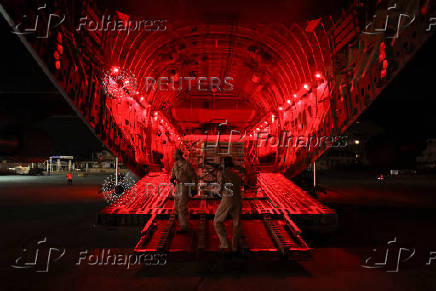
x=233, y=207
x=181, y=205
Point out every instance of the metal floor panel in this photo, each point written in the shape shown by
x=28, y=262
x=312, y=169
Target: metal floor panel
x=269, y=219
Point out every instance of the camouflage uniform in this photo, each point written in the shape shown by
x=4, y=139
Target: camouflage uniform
x=183, y=173
x=230, y=204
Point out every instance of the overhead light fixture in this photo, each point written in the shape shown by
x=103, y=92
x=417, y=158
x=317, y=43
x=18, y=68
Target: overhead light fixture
x=115, y=70
x=306, y=86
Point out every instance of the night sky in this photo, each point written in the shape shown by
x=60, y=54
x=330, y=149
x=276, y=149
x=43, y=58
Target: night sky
x=407, y=107
x=32, y=109
x=406, y=110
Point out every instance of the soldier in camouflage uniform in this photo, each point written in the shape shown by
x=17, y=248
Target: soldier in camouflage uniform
x=230, y=182
x=182, y=175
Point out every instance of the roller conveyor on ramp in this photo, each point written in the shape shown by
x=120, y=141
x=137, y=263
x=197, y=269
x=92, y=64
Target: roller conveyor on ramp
x=269, y=220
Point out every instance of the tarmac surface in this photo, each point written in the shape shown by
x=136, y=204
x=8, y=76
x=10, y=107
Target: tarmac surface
x=73, y=250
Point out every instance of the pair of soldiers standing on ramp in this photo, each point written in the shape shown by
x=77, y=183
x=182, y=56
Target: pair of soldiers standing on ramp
x=183, y=172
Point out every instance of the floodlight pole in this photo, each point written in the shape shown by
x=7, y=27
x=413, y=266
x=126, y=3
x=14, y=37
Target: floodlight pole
x=116, y=171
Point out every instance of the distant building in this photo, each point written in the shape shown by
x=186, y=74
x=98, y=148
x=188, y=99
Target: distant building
x=354, y=154
x=427, y=159
x=337, y=159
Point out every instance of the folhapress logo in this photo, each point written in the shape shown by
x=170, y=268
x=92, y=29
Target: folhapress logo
x=38, y=257
x=391, y=257
x=391, y=25
x=36, y=26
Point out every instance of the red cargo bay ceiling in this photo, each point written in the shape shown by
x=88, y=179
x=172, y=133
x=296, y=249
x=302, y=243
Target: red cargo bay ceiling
x=298, y=67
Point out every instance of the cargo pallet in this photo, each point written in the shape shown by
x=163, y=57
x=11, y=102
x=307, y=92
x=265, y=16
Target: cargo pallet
x=269, y=218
